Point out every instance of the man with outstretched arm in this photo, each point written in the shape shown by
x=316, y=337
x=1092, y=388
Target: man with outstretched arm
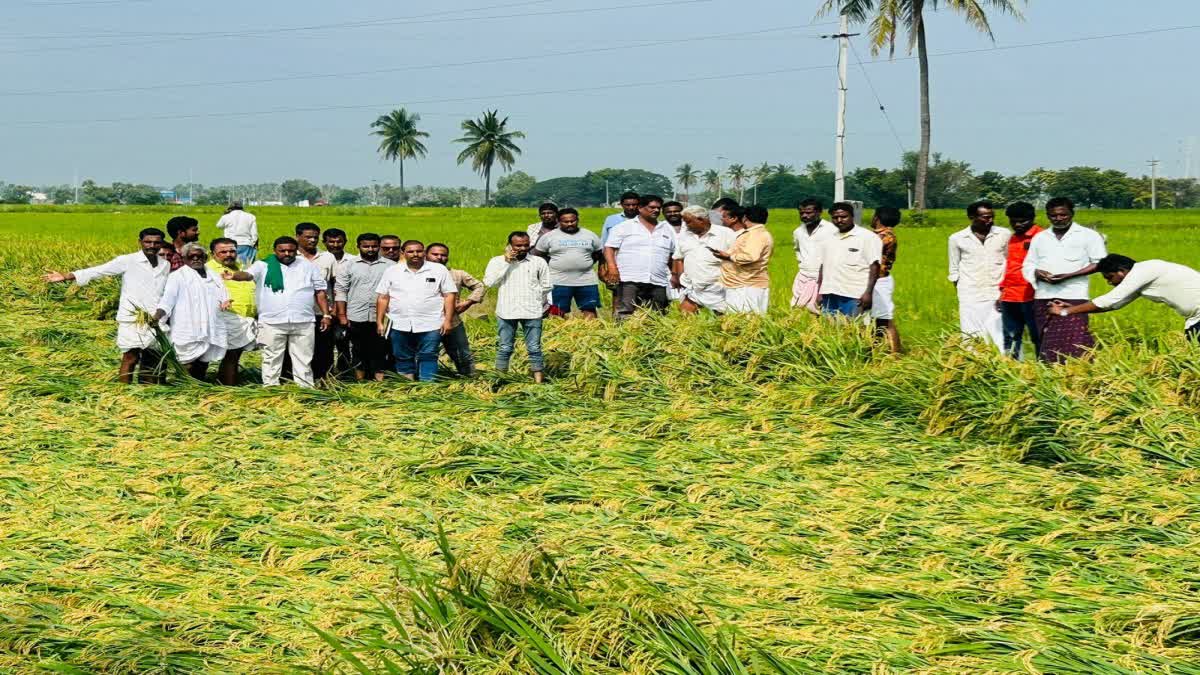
x=1176, y=286
x=143, y=278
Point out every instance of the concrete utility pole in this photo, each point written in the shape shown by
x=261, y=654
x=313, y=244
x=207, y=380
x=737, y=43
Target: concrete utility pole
x=839, y=156
x=1153, y=183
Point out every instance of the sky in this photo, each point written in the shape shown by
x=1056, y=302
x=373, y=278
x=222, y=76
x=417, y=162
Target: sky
x=233, y=91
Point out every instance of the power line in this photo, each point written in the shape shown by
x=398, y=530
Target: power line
x=380, y=71
x=405, y=21
x=259, y=31
x=874, y=93
x=780, y=71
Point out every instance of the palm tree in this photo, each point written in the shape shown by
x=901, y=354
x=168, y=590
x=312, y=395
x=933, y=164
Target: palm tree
x=760, y=173
x=488, y=141
x=687, y=177
x=712, y=182
x=737, y=179
x=400, y=139
x=886, y=17
x=783, y=170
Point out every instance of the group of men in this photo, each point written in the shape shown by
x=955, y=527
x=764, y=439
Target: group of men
x=397, y=303
x=1030, y=280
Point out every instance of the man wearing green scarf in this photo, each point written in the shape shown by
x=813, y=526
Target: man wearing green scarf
x=285, y=287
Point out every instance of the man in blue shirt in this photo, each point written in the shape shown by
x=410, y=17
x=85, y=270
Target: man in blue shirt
x=629, y=210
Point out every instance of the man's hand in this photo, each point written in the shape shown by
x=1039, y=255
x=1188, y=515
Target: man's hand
x=381, y=329
x=226, y=305
x=446, y=326
x=54, y=277
x=864, y=302
x=723, y=255
x=509, y=254
x=820, y=301
x=611, y=276
x=227, y=275
x=326, y=322
x=344, y=320
x=999, y=305
x=1044, y=276
x=675, y=283
x=462, y=306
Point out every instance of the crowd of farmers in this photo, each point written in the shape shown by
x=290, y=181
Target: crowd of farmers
x=316, y=311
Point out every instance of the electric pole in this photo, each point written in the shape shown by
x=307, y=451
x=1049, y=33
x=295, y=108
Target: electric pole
x=839, y=154
x=1153, y=183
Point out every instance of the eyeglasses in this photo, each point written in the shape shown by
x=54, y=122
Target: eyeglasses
x=389, y=248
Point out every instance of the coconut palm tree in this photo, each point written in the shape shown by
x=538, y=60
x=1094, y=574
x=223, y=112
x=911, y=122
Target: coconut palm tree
x=687, y=177
x=712, y=182
x=400, y=139
x=488, y=141
x=783, y=170
x=760, y=173
x=737, y=179
x=886, y=17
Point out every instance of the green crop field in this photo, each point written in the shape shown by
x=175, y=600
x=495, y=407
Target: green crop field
x=687, y=495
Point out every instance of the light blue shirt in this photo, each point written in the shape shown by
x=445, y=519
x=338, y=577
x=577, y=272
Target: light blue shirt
x=609, y=223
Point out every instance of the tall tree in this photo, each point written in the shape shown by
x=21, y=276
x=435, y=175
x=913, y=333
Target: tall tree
x=737, y=179
x=712, y=182
x=687, y=176
x=488, y=141
x=760, y=173
x=783, y=170
x=887, y=17
x=400, y=139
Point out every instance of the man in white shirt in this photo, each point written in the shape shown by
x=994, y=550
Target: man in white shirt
x=414, y=309
x=242, y=227
x=547, y=222
x=849, y=265
x=143, y=278
x=978, y=257
x=522, y=281
x=672, y=213
x=286, y=287
x=806, y=241
x=693, y=265
x=637, y=260
x=1058, y=264
x=193, y=301
x=307, y=234
x=1176, y=286
x=571, y=253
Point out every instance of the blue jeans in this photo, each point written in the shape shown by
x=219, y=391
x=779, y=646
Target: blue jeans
x=417, y=353
x=1016, y=317
x=507, y=337
x=585, y=297
x=246, y=255
x=839, y=304
x=458, y=348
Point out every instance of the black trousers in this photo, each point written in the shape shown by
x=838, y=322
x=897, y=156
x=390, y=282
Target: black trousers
x=633, y=294
x=370, y=351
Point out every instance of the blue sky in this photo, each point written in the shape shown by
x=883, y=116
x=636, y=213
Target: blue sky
x=651, y=84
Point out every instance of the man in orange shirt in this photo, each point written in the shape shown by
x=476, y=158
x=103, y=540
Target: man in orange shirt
x=1016, y=294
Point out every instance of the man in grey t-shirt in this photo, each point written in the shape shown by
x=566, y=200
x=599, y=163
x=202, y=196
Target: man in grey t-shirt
x=573, y=254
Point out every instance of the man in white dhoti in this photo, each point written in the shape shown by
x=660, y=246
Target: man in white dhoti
x=193, y=301
x=978, y=258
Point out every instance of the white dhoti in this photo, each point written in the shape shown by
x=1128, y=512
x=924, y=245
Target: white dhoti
x=132, y=335
x=193, y=304
x=241, y=332
x=981, y=320
x=296, y=339
x=882, y=305
x=747, y=299
x=804, y=293
x=709, y=296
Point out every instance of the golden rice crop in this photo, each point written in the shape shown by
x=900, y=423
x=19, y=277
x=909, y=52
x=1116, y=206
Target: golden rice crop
x=687, y=495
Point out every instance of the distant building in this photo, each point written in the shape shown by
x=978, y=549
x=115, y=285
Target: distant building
x=38, y=198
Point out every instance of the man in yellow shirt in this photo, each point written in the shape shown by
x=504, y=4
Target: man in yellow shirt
x=241, y=331
x=744, y=266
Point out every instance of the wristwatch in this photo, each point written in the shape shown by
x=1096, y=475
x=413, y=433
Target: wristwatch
x=1063, y=312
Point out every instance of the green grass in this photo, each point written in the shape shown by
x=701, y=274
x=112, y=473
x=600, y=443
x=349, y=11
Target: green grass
x=687, y=495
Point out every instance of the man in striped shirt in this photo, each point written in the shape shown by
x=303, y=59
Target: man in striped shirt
x=522, y=282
